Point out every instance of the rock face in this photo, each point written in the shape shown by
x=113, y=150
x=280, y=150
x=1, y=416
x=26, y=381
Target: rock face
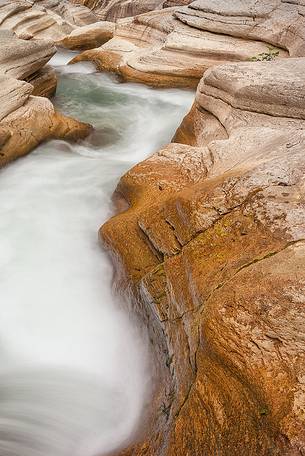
x=111, y=10
x=89, y=36
x=175, y=46
x=214, y=251
x=20, y=58
x=68, y=25
x=25, y=119
x=212, y=245
x=75, y=15
x=278, y=22
x=43, y=18
x=116, y=9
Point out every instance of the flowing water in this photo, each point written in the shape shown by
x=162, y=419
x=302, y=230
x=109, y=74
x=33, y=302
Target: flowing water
x=74, y=370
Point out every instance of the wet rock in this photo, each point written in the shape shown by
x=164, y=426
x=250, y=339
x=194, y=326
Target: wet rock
x=212, y=245
x=28, y=124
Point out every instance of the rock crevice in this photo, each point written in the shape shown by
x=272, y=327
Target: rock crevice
x=220, y=267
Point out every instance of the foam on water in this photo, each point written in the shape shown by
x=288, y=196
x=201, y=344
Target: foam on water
x=74, y=370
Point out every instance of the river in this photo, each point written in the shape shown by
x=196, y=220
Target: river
x=74, y=370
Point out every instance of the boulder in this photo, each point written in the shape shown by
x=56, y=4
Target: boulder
x=89, y=36
x=26, y=59
x=35, y=121
x=26, y=119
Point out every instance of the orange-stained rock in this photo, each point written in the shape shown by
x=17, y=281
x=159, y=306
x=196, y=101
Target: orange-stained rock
x=44, y=82
x=27, y=119
x=89, y=36
x=212, y=246
x=34, y=122
x=175, y=46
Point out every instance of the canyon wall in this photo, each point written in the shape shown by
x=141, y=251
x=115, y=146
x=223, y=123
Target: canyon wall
x=175, y=46
x=212, y=243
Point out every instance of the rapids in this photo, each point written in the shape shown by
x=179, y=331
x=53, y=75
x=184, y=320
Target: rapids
x=74, y=367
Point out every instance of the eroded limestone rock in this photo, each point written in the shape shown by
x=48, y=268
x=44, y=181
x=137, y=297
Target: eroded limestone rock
x=22, y=58
x=172, y=47
x=35, y=121
x=112, y=10
x=278, y=22
x=52, y=19
x=89, y=36
x=26, y=119
x=214, y=251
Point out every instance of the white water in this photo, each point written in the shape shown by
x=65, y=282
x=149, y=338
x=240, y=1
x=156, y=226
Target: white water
x=74, y=370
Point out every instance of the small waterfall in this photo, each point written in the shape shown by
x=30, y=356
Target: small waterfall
x=74, y=368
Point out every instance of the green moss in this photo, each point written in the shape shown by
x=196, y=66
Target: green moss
x=266, y=56
x=159, y=270
x=264, y=411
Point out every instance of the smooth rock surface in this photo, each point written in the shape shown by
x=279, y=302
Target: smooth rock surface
x=21, y=58
x=34, y=122
x=163, y=48
x=89, y=36
x=52, y=19
x=278, y=22
x=26, y=119
x=213, y=249
x=112, y=10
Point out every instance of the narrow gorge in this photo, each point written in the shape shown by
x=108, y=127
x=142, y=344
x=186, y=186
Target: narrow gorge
x=178, y=128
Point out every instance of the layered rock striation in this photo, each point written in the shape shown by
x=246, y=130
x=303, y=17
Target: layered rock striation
x=89, y=36
x=112, y=10
x=52, y=19
x=214, y=251
x=26, y=118
x=212, y=245
x=175, y=46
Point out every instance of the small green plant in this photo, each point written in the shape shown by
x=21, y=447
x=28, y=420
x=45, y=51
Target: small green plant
x=264, y=411
x=266, y=56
